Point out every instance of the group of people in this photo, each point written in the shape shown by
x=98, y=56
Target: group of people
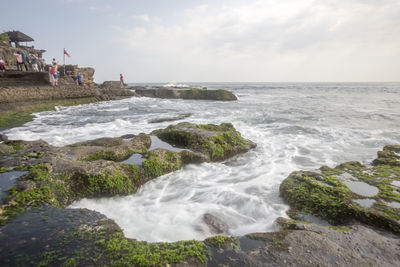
x=54, y=74
x=38, y=64
x=23, y=60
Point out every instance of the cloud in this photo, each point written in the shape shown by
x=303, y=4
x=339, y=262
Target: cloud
x=288, y=39
x=142, y=17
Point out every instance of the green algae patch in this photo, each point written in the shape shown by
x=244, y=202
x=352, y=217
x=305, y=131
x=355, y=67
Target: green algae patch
x=390, y=155
x=15, y=145
x=204, y=94
x=126, y=252
x=109, y=183
x=308, y=195
x=160, y=162
x=37, y=188
x=221, y=241
x=108, y=155
x=275, y=241
x=216, y=142
x=340, y=228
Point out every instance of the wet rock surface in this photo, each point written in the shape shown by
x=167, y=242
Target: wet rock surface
x=306, y=244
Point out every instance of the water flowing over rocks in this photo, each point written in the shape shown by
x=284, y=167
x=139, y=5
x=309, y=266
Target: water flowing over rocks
x=39, y=229
x=60, y=175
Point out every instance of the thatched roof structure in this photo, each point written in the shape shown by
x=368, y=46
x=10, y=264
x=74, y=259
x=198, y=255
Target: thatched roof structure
x=17, y=36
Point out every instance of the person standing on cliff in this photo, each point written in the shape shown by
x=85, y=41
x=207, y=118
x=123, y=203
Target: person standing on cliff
x=79, y=78
x=25, y=60
x=2, y=65
x=41, y=64
x=54, y=75
x=19, y=60
x=35, y=62
x=121, y=80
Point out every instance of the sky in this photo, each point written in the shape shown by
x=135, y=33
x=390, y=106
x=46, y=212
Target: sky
x=217, y=40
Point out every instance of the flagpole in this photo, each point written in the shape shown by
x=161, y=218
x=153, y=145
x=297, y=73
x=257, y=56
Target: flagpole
x=64, y=61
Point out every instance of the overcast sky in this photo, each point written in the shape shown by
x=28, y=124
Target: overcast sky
x=217, y=40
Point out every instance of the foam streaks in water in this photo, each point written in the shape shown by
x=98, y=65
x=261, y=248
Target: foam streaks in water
x=296, y=126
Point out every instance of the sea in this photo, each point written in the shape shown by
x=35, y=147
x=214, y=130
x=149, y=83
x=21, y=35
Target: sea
x=296, y=126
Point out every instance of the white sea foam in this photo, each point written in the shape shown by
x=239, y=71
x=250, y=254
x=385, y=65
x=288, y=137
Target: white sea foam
x=295, y=127
x=176, y=85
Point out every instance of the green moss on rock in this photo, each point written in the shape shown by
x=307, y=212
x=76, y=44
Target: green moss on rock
x=221, y=241
x=204, y=94
x=390, y=155
x=108, y=155
x=160, y=162
x=216, y=142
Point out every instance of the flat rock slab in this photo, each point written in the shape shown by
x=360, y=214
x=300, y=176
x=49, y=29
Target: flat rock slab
x=186, y=93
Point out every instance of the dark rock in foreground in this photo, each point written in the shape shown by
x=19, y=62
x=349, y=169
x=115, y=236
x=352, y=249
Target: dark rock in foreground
x=47, y=236
x=186, y=93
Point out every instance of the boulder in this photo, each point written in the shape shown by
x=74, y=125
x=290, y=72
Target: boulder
x=3, y=137
x=215, y=224
x=216, y=142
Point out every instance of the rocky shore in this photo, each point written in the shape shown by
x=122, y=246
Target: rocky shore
x=23, y=93
x=357, y=205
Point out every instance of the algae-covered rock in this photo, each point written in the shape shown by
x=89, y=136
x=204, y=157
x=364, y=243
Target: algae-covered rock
x=216, y=142
x=348, y=192
x=186, y=93
x=390, y=155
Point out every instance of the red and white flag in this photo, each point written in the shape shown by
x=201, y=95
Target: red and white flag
x=66, y=53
